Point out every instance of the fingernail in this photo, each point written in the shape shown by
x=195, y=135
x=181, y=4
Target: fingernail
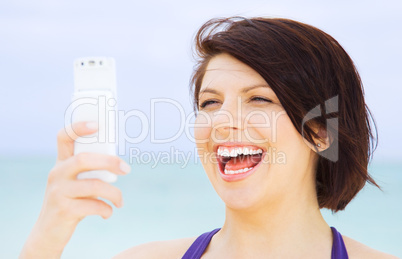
x=92, y=125
x=125, y=167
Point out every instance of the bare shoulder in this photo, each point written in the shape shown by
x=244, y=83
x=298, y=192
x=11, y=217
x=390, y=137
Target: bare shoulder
x=357, y=250
x=159, y=249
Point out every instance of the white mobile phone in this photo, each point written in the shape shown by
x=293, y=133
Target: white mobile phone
x=95, y=99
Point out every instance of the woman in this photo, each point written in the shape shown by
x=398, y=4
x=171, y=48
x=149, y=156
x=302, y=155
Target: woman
x=282, y=130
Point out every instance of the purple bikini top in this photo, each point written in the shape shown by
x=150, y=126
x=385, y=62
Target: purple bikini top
x=200, y=244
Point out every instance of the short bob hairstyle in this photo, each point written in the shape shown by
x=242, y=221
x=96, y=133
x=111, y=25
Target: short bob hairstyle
x=305, y=67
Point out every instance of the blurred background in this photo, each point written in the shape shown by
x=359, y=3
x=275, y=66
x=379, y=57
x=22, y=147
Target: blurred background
x=151, y=42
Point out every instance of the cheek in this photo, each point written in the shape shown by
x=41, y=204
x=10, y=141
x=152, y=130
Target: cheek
x=289, y=141
x=275, y=129
x=259, y=126
x=202, y=130
x=202, y=136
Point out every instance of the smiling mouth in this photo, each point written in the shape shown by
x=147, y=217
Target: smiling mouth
x=238, y=160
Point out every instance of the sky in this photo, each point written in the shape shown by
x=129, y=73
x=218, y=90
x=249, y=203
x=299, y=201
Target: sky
x=151, y=42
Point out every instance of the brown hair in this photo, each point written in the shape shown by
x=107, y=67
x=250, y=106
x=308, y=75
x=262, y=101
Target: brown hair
x=304, y=66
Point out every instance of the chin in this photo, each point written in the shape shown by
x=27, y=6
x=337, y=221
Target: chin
x=245, y=194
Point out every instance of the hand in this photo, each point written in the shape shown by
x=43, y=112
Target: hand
x=68, y=200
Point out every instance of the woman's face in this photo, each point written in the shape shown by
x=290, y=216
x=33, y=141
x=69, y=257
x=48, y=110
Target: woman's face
x=248, y=146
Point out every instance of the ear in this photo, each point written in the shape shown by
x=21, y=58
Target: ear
x=323, y=142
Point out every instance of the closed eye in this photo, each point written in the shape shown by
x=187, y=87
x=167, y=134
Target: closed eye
x=208, y=102
x=260, y=99
x=254, y=99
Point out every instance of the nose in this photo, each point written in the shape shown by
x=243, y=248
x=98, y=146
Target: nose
x=228, y=118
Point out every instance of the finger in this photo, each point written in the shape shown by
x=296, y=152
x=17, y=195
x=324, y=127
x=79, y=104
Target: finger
x=67, y=135
x=94, y=188
x=83, y=162
x=86, y=207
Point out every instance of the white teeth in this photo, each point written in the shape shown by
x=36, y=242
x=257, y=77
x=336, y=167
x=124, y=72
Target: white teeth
x=234, y=152
x=246, y=151
x=224, y=152
x=238, y=171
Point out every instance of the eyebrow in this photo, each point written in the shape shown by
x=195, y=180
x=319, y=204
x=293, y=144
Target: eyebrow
x=244, y=90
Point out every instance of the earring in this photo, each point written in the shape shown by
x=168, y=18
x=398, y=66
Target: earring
x=318, y=145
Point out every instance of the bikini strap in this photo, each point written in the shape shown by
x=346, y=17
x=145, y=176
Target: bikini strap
x=198, y=247
x=338, y=246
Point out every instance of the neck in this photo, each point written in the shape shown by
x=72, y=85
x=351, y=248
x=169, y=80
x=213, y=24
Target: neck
x=277, y=228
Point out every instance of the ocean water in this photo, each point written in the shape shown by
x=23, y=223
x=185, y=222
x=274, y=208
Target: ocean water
x=169, y=202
